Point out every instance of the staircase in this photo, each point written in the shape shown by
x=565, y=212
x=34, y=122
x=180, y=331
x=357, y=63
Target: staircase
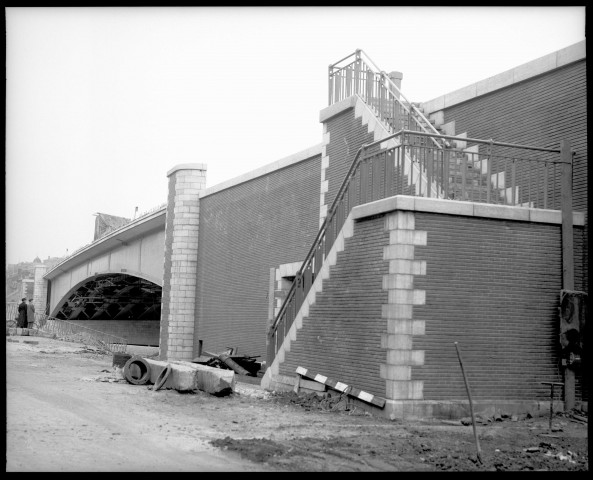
x=419, y=158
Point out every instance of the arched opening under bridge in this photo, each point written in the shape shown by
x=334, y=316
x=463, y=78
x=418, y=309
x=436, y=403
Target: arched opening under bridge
x=119, y=304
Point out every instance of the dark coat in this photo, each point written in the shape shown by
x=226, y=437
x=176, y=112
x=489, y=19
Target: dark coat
x=22, y=321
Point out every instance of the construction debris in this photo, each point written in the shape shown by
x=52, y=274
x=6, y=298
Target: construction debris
x=241, y=364
x=342, y=387
x=188, y=376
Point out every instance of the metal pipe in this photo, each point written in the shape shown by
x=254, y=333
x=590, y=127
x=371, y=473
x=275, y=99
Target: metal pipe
x=471, y=406
x=490, y=142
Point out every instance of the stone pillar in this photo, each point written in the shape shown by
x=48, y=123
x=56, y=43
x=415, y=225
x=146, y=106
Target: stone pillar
x=40, y=299
x=27, y=288
x=396, y=77
x=178, y=312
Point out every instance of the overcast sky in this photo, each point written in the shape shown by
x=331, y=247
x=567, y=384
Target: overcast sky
x=102, y=102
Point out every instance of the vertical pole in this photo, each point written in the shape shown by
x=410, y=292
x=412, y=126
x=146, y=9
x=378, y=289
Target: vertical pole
x=567, y=253
x=271, y=290
x=330, y=91
x=471, y=405
x=551, y=406
x=488, y=173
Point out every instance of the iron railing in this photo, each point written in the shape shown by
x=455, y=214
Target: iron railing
x=357, y=74
x=70, y=331
x=491, y=172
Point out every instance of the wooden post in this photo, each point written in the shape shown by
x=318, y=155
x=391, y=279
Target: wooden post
x=567, y=253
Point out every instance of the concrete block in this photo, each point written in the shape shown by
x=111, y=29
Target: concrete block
x=545, y=216
x=438, y=118
x=449, y=207
x=502, y=212
x=188, y=376
x=396, y=342
x=406, y=220
x=398, y=280
x=395, y=372
x=412, y=267
x=535, y=67
x=571, y=54
x=405, y=296
x=433, y=105
x=404, y=390
x=348, y=228
x=393, y=252
x=337, y=108
x=405, y=357
x=397, y=312
x=495, y=82
x=406, y=327
x=460, y=95
x=409, y=237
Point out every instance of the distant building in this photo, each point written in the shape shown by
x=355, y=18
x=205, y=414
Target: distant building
x=107, y=223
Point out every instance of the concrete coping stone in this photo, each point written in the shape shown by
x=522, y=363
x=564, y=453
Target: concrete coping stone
x=538, y=66
x=337, y=108
x=187, y=166
x=266, y=169
x=467, y=209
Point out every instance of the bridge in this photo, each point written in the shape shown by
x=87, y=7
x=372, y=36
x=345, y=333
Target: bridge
x=114, y=284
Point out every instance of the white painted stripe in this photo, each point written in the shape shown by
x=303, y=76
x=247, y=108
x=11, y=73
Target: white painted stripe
x=341, y=386
x=320, y=378
x=367, y=397
x=301, y=371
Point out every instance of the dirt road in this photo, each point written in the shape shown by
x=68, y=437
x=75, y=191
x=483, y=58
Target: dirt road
x=67, y=410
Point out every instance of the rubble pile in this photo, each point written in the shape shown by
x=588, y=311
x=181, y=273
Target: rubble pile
x=328, y=401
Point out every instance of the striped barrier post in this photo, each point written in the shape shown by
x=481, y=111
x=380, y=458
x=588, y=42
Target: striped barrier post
x=342, y=387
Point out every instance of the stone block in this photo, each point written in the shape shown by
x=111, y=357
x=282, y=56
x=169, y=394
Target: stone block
x=398, y=280
x=405, y=357
x=398, y=312
x=188, y=376
x=406, y=327
x=396, y=342
x=395, y=372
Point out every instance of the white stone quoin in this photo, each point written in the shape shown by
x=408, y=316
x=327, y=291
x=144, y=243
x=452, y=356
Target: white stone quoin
x=186, y=182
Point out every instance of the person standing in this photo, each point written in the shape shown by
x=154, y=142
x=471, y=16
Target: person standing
x=22, y=321
x=30, y=314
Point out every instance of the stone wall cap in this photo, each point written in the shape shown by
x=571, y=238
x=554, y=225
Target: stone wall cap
x=462, y=208
x=187, y=166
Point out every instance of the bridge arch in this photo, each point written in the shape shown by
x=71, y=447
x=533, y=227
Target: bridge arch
x=126, y=304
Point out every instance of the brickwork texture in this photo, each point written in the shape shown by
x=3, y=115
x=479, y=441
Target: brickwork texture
x=246, y=230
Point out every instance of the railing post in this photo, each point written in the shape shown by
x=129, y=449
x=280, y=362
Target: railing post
x=567, y=253
x=488, y=172
x=330, y=89
x=566, y=207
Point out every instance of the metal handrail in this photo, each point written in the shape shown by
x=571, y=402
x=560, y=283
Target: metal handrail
x=486, y=142
x=412, y=106
x=330, y=212
x=413, y=111
x=404, y=152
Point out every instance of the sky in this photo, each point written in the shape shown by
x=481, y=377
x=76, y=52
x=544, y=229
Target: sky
x=101, y=102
